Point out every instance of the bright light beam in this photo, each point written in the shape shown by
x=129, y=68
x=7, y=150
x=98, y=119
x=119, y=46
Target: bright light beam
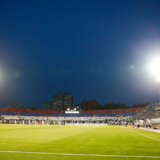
x=154, y=68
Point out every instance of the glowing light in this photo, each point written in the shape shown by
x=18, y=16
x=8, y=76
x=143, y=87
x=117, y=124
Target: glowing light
x=154, y=68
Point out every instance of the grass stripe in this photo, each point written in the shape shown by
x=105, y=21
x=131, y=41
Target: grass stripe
x=144, y=135
x=74, y=154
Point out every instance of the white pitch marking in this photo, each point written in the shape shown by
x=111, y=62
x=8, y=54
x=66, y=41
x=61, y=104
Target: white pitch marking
x=147, y=136
x=72, y=154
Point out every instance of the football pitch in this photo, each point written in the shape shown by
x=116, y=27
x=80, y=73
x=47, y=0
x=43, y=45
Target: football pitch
x=37, y=142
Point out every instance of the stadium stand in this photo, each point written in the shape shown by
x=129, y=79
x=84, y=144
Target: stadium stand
x=150, y=112
x=44, y=116
x=115, y=112
x=87, y=113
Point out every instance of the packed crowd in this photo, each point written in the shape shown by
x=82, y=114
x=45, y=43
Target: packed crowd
x=105, y=116
x=150, y=112
x=27, y=112
x=60, y=113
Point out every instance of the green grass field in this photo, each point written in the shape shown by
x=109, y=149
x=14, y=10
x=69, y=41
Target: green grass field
x=83, y=140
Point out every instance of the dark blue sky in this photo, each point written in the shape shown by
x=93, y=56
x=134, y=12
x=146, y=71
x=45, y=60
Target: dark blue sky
x=92, y=49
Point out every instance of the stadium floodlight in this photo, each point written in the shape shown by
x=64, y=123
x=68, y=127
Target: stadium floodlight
x=154, y=68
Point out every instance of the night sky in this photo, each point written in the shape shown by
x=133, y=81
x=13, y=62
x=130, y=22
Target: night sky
x=91, y=49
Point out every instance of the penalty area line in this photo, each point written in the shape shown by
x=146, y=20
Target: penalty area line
x=74, y=154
